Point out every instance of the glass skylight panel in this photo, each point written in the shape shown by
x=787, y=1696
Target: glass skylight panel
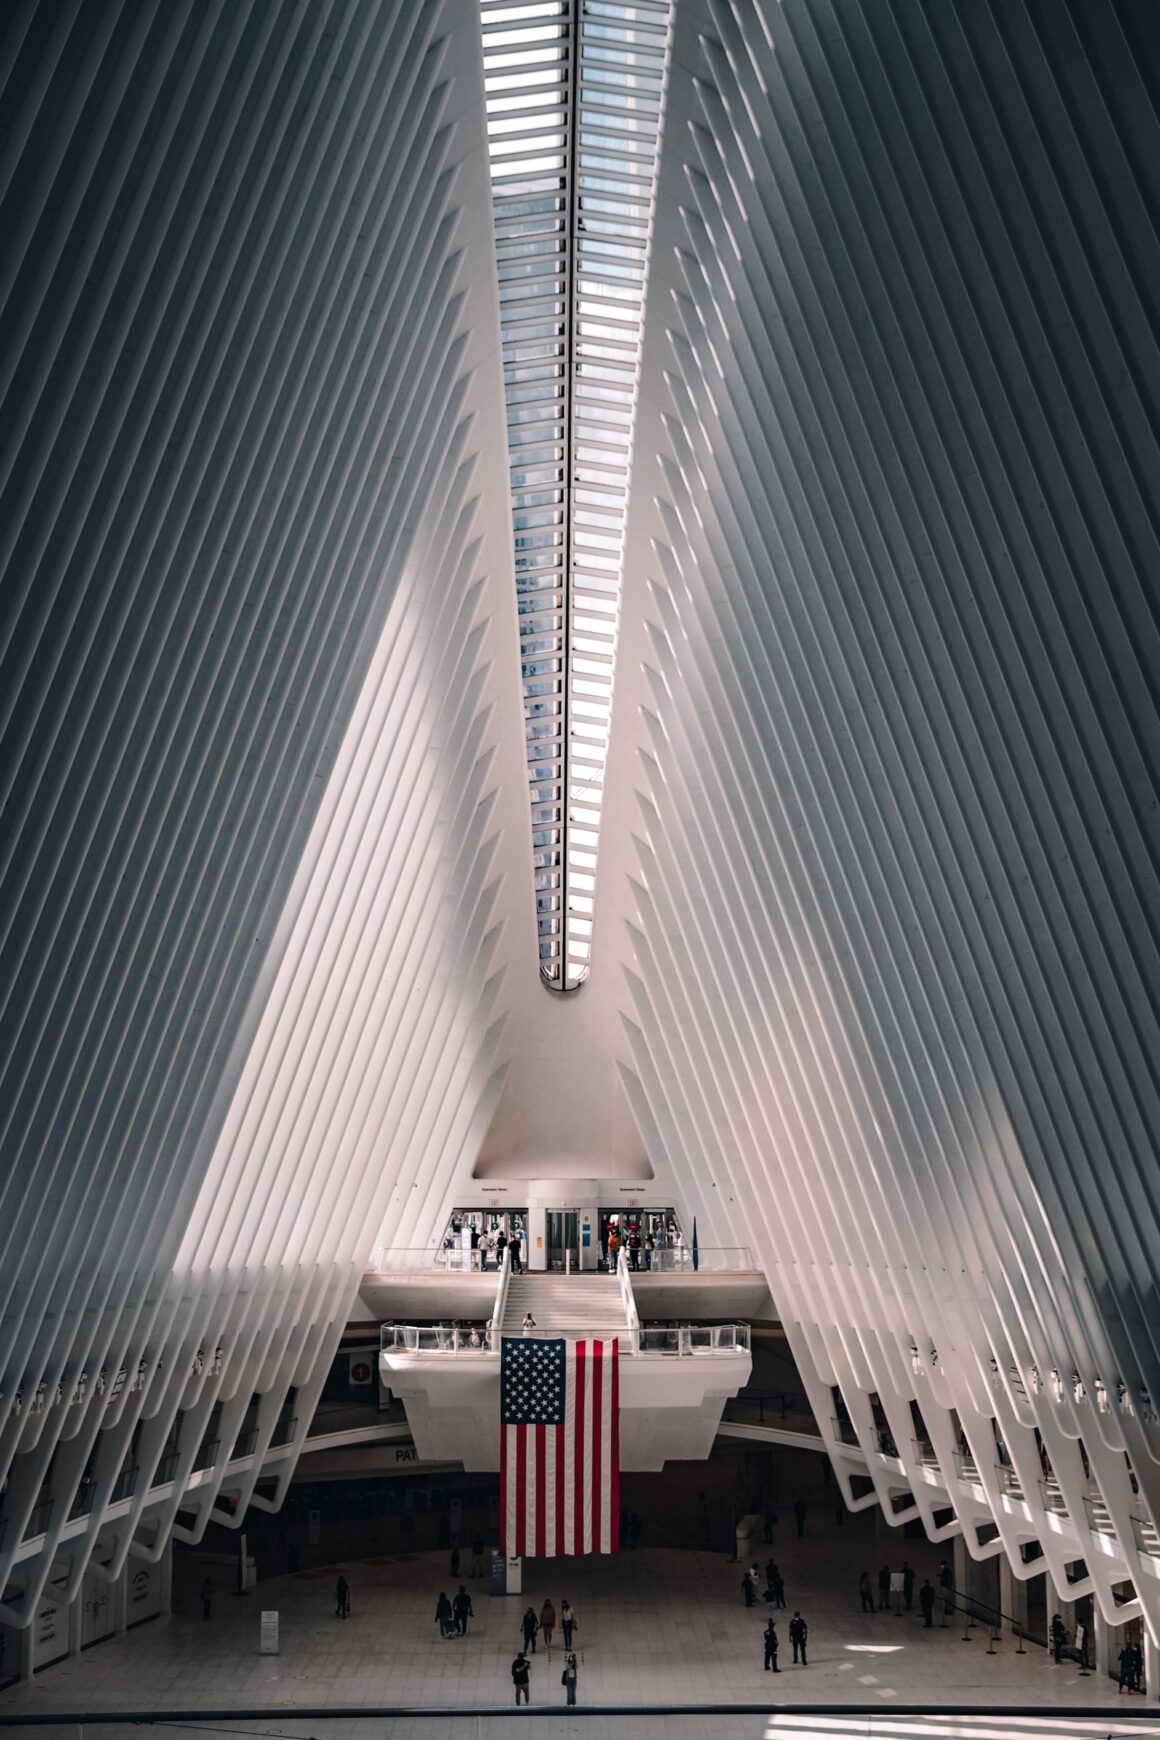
x=573, y=114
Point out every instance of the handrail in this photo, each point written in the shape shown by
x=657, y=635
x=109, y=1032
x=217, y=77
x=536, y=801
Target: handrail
x=501, y=1298
x=971, y=1608
x=628, y=1299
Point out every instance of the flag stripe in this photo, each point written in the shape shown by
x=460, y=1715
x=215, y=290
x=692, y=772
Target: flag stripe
x=561, y=1433
x=614, y=1449
x=593, y=1461
x=521, y=1489
x=581, y=1360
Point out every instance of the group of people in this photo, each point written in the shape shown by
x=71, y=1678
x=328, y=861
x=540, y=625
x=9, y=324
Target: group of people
x=799, y=1632
x=543, y=1625
x=774, y=1595
x=451, y=1616
x=494, y=1244
x=901, y=1586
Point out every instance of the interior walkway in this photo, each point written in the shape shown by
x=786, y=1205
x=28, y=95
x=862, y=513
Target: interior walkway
x=655, y=1625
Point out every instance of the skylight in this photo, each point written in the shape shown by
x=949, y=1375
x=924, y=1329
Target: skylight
x=573, y=115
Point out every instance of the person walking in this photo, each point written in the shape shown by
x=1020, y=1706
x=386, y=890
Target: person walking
x=866, y=1592
x=445, y=1615
x=567, y=1622
x=341, y=1598
x=477, y=1555
x=634, y=1249
x=521, y=1670
x=908, y=1575
x=748, y=1588
x=884, y=1588
x=207, y=1599
x=547, y=1622
x=799, y=1511
x=568, y=1679
x=516, y=1255
x=798, y=1632
x=1058, y=1639
x=531, y=1625
x=501, y=1240
x=926, y=1602
x=463, y=1610
x=771, y=1647
x=770, y=1570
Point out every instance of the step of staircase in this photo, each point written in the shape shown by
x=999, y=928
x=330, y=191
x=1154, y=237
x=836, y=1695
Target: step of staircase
x=578, y=1306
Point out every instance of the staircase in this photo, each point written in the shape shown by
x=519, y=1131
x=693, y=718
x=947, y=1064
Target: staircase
x=581, y=1307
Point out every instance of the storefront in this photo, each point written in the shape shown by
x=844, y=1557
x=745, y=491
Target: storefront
x=662, y=1243
x=472, y=1237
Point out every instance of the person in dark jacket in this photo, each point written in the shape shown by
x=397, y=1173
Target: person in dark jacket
x=771, y=1648
x=1058, y=1639
x=445, y=1615
x=799, y=1511
x=798, y=1632
x=926, y=1601
x=463, y=1610
x=530, y=1627
x=568, y=1678
x=521, y=1668
x=341, y=1598
x=866, y=1593
x=749, y=1588
x=908, y=1575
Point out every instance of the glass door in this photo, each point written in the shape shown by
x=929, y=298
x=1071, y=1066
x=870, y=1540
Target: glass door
x=563, y=1236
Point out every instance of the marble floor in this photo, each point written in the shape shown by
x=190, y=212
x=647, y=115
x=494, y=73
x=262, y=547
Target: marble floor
x=655, y=1626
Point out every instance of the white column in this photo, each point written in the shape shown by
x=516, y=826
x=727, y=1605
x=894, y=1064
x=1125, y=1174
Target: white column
x=76, y=1615
x=1012, y=1597
x=1151, y=1668
x=165, y=1576
x=1108, y=1644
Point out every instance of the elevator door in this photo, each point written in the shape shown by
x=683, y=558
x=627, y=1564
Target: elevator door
x=563, y=1236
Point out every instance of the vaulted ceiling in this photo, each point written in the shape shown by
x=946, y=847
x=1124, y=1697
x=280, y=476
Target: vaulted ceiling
x=332, y=479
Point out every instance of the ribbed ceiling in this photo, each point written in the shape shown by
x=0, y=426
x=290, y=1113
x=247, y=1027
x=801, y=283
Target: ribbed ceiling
x=878, y=840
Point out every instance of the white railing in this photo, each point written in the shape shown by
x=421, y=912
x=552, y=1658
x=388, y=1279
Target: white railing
x=455, y=1259
x=694, y=1338
x=416, y=1338
x=713, y=1259
x=632, y=1316
x=501, y=1298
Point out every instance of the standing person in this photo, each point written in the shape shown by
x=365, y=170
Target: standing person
x=477, y=1555
x=884, y=1588
x=798, y=1632
x=770, y=1570
x=341, y=1597
x=501, y=1240
x=908, y=1585
x=529, y=1323
x=516, y=1254
x=748, y=1588
x=568, y=1679
x=946, y=1582
x=777, y=1584
x=1127, y=1668
x=567, y=1622
x=650, y=1245
x=1058, y=1639
x=521, y=1668
x=445, y=1615
x=547, y=1621
x=634, y=1249
x=770, y=1523
x=866, y=1592
x=207, y=1599
x=530, y=1627
x=926, y=1602
x=455, y=1561
x=771, y=1648
x=799, y=1510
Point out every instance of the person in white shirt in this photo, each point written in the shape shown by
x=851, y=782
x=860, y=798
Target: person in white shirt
x=529, y=1324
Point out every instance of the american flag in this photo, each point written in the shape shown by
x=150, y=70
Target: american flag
x=559, y=1454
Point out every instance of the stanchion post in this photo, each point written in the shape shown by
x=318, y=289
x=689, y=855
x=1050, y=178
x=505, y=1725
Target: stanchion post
x=991, y=1650
x=1019, y=1641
